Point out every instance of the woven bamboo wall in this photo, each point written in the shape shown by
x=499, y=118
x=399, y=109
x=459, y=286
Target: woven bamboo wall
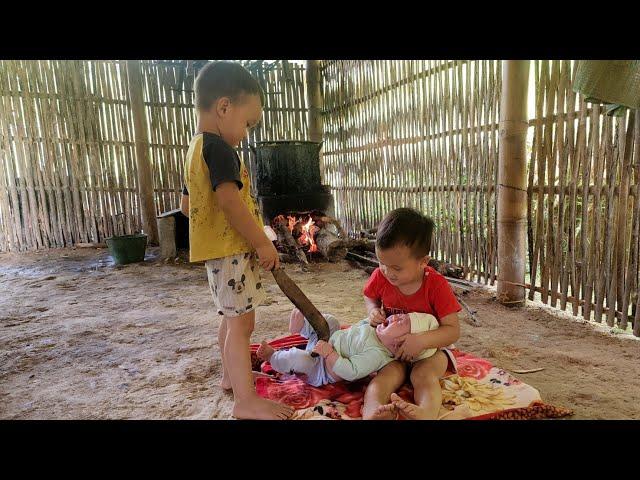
x=421, y=134
x=584, y=180
x=67, y=157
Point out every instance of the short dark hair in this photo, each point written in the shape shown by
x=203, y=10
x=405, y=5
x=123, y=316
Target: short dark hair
x=224, y=79
x=406, y=226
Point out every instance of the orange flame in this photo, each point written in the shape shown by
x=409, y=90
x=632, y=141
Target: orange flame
x=292, y=222
x=309, y=230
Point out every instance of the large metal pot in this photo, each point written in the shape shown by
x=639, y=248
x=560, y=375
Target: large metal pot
x=286, y=167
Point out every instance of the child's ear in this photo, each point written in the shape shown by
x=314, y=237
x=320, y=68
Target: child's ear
x=222, y=105
x=424, y=263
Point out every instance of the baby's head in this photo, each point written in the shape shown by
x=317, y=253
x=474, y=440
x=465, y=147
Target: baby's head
x=403, y=242
x=396, y=326
x=230, y=98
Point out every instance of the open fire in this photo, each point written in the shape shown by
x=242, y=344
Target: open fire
x=309, y=233
x=302, y=229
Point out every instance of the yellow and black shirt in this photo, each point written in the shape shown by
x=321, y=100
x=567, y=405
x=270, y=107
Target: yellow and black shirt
x=210, y=162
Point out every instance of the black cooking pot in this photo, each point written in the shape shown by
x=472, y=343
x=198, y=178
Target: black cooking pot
x=287, y=167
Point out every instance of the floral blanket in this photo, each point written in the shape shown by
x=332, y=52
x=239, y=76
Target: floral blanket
x=479, y=391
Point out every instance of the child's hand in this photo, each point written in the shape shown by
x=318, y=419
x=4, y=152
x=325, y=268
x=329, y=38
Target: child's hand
x=268, y=257
x=410, y=347
x=324, y=349
x=376, y=317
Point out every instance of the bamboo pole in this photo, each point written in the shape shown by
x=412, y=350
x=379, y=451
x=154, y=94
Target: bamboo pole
x=314, y=102
x=619, y=216
x=145, y=179
x=512, y=182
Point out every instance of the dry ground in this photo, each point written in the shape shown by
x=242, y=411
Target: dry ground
x=83, y=339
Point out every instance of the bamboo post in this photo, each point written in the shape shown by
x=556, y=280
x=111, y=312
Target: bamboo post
x=314, y=102
x=145, y=178
x=512, y=183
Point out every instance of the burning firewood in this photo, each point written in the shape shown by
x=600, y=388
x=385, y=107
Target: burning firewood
x=311, y=232
x=331, y=246
x=286, y=238
x=336, y=223
x=308, y=235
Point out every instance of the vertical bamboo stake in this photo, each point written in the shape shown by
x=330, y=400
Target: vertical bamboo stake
x=314, y=102
x=512, y=182
x=496, y=88
x=624, y=208
x=145, y=180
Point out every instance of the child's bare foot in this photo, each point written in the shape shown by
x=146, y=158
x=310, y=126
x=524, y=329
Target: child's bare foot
x=257, y=408
x=264, y=351
x=385, y=412
x=409, y=410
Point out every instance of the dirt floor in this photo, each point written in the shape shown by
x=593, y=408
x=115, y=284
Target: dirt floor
x=81, y=338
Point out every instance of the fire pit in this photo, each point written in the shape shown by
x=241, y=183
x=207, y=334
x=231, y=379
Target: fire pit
x=310, y=235
x=295, y=203
x=303, y=229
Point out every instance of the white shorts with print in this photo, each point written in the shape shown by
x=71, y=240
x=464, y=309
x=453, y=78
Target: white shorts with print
x=235, y=284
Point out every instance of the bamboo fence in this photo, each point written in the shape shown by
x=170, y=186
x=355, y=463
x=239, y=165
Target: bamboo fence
x=584, y=176
x=424, y=134
x=421, y=134
x=67, y=156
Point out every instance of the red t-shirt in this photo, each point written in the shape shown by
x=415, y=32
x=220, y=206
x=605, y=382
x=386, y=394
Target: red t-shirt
x=435, y=295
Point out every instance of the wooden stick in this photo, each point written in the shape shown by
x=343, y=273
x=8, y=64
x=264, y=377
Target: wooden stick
x=471, y=317
x=533, y=370
x=361, y=259
x=300, y=300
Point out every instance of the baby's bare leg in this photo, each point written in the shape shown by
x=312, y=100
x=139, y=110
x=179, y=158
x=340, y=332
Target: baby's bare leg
x=376, y=398
x=247, y=403
x=296, y=321
x=425, y=378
